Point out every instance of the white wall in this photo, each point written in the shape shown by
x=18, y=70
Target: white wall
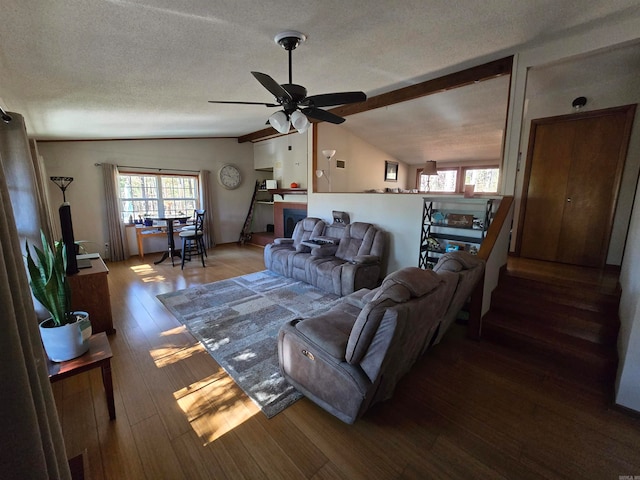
x=77, y=159
x=398, y=214
x=285, y=157
x=628, y=382
x=364, y=163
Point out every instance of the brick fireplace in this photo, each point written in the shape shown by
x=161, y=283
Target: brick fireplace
x=292, y=211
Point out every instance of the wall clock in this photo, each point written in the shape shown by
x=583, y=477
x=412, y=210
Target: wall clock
x=229, y=176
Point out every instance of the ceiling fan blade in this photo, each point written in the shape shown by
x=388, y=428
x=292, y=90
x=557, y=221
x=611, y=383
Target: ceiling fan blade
x=270, y=84
x=322, y=115
x=331, y=99
x=245, y=103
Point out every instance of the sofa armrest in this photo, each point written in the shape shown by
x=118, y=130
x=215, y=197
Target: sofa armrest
x=358, y=299
x=283, y=241
x=327, y=250
x=365, y=259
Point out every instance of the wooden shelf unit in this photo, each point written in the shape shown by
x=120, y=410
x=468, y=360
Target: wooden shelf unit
x=466, y=237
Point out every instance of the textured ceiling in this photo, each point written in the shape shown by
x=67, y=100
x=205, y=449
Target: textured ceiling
x=95, y=69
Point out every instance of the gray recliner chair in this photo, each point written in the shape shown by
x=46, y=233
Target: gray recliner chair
x=353, y=355
x=352, y=264
x=470, y=270
x=277, y=254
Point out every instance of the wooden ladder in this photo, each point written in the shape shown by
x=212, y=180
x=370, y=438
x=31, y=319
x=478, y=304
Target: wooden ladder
x=246, y=232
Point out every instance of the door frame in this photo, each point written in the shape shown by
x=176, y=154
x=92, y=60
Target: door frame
x=629, y=111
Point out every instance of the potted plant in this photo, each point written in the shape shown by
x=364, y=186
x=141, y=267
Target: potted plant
x=65, y=335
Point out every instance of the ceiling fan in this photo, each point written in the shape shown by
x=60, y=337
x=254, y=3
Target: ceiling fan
x=296, y=106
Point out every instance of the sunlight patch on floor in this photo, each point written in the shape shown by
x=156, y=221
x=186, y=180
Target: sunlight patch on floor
x=143, y=269
x=169, y=355
x=154, y=279
x=149, y=274
x=214, y=406
x=174, y=331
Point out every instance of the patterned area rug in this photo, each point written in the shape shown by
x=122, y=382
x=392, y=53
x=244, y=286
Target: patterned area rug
x=237, y=320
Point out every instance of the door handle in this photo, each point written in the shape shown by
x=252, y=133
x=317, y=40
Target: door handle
x=569, y=200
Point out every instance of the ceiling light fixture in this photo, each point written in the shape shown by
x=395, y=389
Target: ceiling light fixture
x=579, y=102
x=283, y=122
x=299, y=121
x=280, y=121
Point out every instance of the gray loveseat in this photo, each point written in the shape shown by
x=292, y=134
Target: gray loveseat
x=353, y=355
x=338, y=258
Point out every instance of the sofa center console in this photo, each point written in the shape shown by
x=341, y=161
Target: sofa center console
x=320, y=241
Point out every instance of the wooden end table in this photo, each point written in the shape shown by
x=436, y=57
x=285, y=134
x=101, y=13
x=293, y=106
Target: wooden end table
x=98, y=355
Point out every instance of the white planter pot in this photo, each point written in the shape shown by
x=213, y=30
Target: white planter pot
x=67, y=341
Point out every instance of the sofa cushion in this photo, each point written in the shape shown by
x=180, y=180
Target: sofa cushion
x=418, y=282
x=456, y=262
x=307, y=228
x=397, y=287
x=365, y=328
x=357, y=239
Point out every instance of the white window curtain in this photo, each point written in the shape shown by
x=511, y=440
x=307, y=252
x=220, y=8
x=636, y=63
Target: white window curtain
x=206, y=200
x=31, y=442
x=115, y=227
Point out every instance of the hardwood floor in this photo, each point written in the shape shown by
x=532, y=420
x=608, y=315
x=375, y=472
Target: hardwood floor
x=466, y=410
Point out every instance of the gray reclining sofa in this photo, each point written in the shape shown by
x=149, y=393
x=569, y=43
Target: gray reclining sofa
x=340, y=258
x=353, y=355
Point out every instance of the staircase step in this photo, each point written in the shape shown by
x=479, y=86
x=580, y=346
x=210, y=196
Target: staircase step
x=574, y=295
x=586, y=324
x=563, y=353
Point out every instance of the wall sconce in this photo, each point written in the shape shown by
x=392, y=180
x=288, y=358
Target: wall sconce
x=328, y=154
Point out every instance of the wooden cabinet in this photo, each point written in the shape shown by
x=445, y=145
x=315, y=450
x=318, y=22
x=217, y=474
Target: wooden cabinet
x=90, y=293
x=452, y=224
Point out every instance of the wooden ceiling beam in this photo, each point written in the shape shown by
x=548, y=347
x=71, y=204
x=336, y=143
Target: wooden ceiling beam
x=471, y=75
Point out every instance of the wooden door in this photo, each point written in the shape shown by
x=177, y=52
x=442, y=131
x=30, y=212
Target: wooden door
x=574, y=167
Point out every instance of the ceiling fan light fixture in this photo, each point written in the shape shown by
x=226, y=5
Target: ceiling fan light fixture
x=280, y=121
x=299, y=121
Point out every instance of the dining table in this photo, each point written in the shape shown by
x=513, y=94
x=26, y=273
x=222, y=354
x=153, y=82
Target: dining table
x=171, y=246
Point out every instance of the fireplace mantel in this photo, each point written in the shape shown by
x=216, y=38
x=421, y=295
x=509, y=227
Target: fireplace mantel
x=287, y=191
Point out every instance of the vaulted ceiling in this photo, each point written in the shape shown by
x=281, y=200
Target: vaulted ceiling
x=100, y=69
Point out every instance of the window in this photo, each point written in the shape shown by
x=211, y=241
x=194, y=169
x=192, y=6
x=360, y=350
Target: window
x=485, y=180
x=157, y=195
x=445, y=182
x=453, y=180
